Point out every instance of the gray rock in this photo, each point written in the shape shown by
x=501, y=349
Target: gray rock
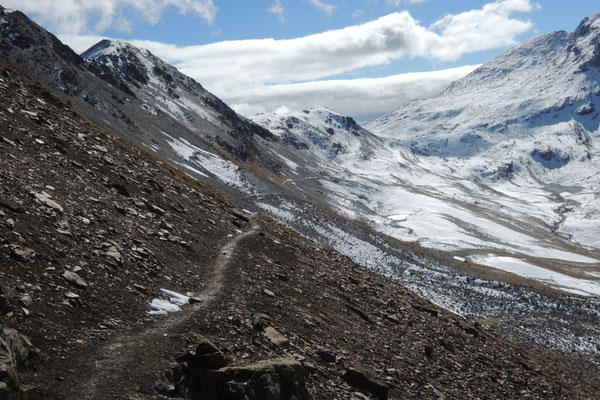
x=164, y=386
x=16, y=353
x=26, y=301
x=365, y=379
x=268, y=293
x=275, y=337
x=45, y=201
x=23, y=254
x=75, y=279
x=281, y=379
x=155, y=209
x=114, y=254
x=207, y=354
x=8, y=379
x=165, y=225
x=260, y=321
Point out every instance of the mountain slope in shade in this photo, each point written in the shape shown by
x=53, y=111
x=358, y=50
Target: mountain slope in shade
x=162, y=88
x=131, y=92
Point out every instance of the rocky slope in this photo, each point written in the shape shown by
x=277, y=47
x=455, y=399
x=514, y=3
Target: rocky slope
x=130, y=91
x=343, y=187
x=94, y=227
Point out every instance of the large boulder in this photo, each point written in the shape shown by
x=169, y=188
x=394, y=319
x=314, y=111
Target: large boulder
x=207, y=355
x=280, y=379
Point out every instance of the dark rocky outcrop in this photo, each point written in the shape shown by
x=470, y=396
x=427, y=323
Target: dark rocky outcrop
x=282, y=379
x=16, y=354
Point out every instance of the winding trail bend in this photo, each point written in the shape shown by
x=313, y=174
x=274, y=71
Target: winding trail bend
x=116, y=368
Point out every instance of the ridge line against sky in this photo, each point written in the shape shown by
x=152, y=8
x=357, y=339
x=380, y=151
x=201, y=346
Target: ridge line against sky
x=353, y=64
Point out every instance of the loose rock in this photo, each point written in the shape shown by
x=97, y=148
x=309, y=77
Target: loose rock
x=207, y=355
x=75, y=279
x=275, y=337
x=44, y=200
x=24, y=255
x=365, y=379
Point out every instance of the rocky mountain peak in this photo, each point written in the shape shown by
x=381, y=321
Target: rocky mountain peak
x=325, y=132
x=588, y=26
x=586, y=43
x=108, y=47
x=135, y=63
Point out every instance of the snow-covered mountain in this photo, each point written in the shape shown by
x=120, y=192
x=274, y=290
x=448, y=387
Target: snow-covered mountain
x=321, y=133
x=162, y=89
x=547, y=80
x=500, y=169
x=134, y=94
x=524, y=124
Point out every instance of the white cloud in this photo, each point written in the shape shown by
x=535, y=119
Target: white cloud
x=321, y=6
x=398, y=3
x=277, y=9
x=265, y=73
x=75, y=16
x=361, y=98
x=358, y=13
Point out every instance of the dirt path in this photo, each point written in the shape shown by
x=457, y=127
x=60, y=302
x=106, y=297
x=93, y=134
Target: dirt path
x=117, y=368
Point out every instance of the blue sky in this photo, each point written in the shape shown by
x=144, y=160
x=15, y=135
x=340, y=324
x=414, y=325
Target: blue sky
x=360, y=57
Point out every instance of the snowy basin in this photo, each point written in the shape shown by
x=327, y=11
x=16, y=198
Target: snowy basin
x=527, y=270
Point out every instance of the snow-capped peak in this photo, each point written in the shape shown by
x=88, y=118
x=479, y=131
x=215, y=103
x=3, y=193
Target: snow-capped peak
x=320, y=129
x=135, y=63
x=107, y=47
x=547, y=80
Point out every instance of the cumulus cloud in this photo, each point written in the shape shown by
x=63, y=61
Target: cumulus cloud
x=277, y=9
x=75, y=16
x=264, y=73
x=321, y=6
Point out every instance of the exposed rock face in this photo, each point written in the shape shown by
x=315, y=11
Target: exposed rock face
x=16, y=353
x=282, y=379
x=131, y=90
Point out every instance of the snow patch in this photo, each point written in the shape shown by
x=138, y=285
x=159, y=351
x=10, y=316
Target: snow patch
x=163, y=307
x=527, y=270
